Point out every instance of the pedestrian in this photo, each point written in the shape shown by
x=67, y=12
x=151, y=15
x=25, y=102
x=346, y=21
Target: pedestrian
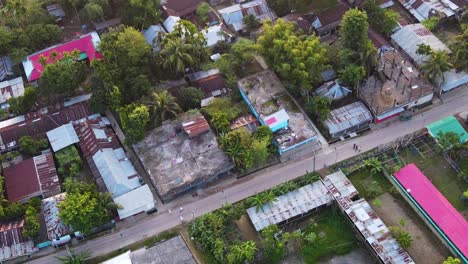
x=359, y=149
x=181, y=209
x=354, y=146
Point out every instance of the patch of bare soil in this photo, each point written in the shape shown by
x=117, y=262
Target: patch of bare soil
x=426, y=248
x=246, y=229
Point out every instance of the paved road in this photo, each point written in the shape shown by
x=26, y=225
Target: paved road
x=263, y=180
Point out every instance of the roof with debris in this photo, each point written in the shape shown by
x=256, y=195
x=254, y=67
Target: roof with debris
x=361, y=214
x=233, y=15
x=11, y=89
x=332, y=90
x=347, y=117
x=56, y=228
x=424, y=9
x=290, y=205
x=12, y=242
x=175, y=162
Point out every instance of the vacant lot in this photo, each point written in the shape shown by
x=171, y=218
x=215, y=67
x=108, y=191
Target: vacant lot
x=425, y=247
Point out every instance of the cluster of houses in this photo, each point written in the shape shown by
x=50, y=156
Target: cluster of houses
x=183, y=154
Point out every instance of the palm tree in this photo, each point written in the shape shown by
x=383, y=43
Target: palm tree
x=374, y=165
x=176, y=55
x=163, y=106
x=74, y=258
x=262, y=199
x=435, y=67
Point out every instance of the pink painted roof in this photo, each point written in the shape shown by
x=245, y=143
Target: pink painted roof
x=83, y=44
x=271, y=121
x=436, y=205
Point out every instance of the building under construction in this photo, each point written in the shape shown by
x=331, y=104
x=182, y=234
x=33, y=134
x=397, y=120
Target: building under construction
x=395, y=87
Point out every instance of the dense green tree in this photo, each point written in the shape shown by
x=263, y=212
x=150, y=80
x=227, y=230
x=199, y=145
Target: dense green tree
x=203, y=11
x=259, y=151
x=62, y=78
x=352, y=74
x=92, y=12
x=19, y=13
x=162, y=106
x=142, y=13
x=31, y=223
x=383, y=20
x=449, y=140
x=319, y=106
x=23, y=104
x=460, y=50
x=274, y=246
x=6, y=39
x=41, y=36
x=85, y=210
x=220, y=122
x=135, y=119
x=69, y=161
x=190, y=98
x=104, y=96
x=263, y=132
x=298, y=59
x=353, y=30
x=127, y=59
x=176, y=55
x=31, y=146
x=251, y=22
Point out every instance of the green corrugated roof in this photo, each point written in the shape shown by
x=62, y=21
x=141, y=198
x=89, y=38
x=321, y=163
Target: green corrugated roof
x=448, y=124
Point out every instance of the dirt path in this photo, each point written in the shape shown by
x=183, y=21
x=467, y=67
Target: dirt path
x=425, y=247
x=246, y=229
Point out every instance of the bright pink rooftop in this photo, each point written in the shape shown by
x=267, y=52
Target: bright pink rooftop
x=86, y=44
x=449, y=220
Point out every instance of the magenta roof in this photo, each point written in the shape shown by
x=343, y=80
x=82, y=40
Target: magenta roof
x=86, y=44
x=435, y=205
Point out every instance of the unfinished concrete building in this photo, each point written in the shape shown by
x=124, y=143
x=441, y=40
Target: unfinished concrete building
x=181, y=155
x=395, y=87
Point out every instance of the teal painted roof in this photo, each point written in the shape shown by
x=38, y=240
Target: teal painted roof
x=448, y=124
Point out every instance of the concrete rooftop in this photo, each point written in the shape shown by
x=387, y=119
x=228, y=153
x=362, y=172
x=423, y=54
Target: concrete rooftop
x=176, y=162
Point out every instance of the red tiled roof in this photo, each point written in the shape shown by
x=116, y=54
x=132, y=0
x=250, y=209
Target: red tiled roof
x=84, y=44
x=21, y=181
x=181, y=7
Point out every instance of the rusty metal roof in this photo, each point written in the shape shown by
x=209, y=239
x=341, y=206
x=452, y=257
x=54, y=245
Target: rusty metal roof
x=347, y=117
x=55, y=227
x=12, y=242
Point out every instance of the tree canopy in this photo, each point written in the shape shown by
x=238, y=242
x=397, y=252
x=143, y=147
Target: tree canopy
x=135, y=119
x=383, y=20
x=297, y=58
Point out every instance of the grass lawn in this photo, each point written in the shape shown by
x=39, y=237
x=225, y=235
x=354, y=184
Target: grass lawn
x=439, y=172
x=335, y=235
x=362, y=178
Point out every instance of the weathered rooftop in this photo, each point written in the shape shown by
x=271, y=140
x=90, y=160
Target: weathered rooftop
x=11, y=89
x=266, y=95
x=423, y=9
x=290, y=205
x=31, y=178
x=397, y=83
x=371, y=227
x=55, y=227
x=12, y=242
x=347, y=117
x=176, y=162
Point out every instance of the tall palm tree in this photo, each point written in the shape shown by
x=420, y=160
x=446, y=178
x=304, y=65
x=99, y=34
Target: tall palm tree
x=176, y=55
x=163, y=106
x=435, y=67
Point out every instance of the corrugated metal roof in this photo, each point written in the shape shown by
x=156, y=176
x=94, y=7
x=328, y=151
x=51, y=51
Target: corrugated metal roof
x=134, y=202
x=170, y=23
x=12, y=242
x=371, y=227
x=62, y=137
x=119, y=175
x=332, y=90
x=289, y=205
x=55, y=227
x=410, y=37
x=47, y=174
x=11, y=89
x=423, y=9
x=195, y=127
x=448, y=124
x=152, y=34
x=243, y=121
x=347, y=117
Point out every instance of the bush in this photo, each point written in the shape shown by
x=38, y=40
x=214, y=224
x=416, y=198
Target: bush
x=401, y=236
x=202, y=12
x=190, y=98
x=31, y=146
x=69, y=161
